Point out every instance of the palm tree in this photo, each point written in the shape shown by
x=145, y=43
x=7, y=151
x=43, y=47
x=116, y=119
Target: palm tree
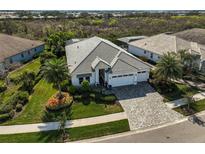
x=169, y=67
x=55, y=71
x=187, y=59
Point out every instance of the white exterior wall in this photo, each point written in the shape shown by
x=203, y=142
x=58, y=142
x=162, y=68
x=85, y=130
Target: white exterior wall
x=75, y=80
x=140, y=52
x=128, y=80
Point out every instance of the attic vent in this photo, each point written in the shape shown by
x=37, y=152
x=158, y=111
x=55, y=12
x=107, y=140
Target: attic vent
x=75, y=62
x=145, y=43
x=77, y=46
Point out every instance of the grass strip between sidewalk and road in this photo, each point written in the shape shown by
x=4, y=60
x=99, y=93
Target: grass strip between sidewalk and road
x=77, y=133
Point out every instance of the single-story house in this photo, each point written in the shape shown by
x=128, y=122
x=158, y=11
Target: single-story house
x=194, y=35
x=101, y=62
x=17, y=50
x=124, y=41
x=155, y=46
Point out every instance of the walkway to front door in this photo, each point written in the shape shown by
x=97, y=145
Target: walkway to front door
x=144, y=106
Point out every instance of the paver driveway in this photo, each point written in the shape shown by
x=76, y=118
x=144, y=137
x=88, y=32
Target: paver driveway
x=144, y=106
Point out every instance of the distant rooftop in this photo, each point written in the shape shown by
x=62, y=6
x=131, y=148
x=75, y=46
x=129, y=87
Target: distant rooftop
x=163, y=43
x=131, y=38
x=194, y=35
x=12, y=45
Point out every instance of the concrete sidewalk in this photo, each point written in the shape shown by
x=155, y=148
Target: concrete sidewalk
x=28, y=128
x=184, y=101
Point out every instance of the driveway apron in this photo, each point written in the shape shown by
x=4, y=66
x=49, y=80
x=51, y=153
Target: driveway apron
x=144, y=106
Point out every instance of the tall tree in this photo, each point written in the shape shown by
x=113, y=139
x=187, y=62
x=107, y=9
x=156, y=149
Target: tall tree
x=168, y=68
x=55, y=71
x=188, y=60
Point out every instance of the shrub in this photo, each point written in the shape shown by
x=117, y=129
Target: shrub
x=55, y=103
x=19, y=107
x=2, y=88
x=64, y=85
x=22, y=97
x=6, y=108
x=4, y=117
x=19, y=97
x=85, y=86
x=72, y=89
x=109, y=98
x=12, y=114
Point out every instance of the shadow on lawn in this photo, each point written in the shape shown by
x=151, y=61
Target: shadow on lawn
x=56, y=115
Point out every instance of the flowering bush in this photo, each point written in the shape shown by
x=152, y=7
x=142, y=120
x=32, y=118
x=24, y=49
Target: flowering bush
x=55, y=103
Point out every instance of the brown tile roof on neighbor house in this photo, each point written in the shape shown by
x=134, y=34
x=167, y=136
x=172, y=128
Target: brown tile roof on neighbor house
x=12, y=45
x=194, y=35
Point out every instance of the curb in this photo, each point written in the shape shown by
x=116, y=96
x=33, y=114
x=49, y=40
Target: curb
x=139, y=131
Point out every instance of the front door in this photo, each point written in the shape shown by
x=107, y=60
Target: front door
x=102, y=77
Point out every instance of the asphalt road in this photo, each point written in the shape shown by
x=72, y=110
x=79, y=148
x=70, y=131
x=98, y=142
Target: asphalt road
x=185, y=132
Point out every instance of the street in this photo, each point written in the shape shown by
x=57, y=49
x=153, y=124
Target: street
x=185, y=132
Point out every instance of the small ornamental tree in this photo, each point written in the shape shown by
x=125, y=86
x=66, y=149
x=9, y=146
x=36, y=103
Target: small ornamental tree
x=85, y=88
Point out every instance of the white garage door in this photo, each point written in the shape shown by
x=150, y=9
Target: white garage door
x=142, y=76
x=121, y=80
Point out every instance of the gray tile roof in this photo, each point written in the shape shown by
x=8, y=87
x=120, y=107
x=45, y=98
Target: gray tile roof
x=193, y=35
x=131, y=38
x=12, y=45
x=163, y=43
x=84, y=55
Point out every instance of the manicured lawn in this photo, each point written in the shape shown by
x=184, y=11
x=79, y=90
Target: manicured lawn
x=34, y=110
x=11, y=89
x=80, y=110
x=177, y=91
x=195, y=107
x=32, y=66
x=74, y=133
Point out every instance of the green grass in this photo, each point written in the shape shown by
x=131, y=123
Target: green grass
x=35, y=108
x=195, y=107
x=32, y=66
x=81, y=110
x=11, y=89
x=77, y=133
x=177, y=91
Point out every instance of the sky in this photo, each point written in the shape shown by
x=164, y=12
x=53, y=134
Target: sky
x=102, y=4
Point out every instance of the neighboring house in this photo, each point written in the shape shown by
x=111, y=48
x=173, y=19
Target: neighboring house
x=103, y=63
x=17, y=50
x=124, y=41
x=195, y=35
x=155, y=46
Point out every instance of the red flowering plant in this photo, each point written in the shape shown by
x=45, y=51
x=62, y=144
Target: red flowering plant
x=56, y=103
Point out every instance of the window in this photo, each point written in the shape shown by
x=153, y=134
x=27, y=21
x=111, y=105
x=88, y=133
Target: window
x=87, y=78
x=35, y=49
x=114, y=76
x=145, y=51
x=29, y=52
x=125, y=75
x=139, y=72
x=130, y=74
x=11, y=60
x=151, y=55
x=119, y=76
x=143, y=71
x=80, y=80
x=22, y=55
